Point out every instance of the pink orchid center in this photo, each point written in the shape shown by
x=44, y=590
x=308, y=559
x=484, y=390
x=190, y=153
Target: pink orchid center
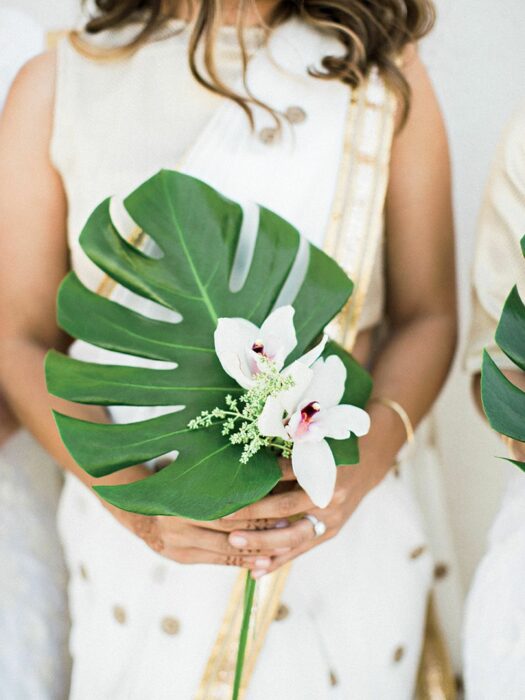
x=308, y=413
x=259, y=349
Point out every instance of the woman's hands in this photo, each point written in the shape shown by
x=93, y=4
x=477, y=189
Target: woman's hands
x=188, y=542
x=267, y=534
x=293, y=534
x=191, y=542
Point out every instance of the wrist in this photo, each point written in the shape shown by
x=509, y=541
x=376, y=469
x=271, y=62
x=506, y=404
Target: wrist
x=384, y=440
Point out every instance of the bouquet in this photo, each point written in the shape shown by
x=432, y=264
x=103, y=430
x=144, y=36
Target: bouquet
x=504, y=403
x=252, y=376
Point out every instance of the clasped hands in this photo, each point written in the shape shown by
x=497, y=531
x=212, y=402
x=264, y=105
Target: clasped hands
x=261, y=537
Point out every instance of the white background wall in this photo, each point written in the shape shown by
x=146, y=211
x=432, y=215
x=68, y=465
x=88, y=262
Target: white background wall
x=476, y=57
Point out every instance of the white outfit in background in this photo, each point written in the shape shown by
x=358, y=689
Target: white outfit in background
x=495, y=619
x=34, y=663
x=143, y=626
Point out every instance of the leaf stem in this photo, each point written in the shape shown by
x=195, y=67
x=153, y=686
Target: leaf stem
x=249, y=591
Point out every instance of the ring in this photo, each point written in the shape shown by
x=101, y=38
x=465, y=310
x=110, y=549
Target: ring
x=318, y=525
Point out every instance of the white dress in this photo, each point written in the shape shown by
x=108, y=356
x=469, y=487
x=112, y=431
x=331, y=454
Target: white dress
x=494, y=633
x=143, y=626
x=34, y=663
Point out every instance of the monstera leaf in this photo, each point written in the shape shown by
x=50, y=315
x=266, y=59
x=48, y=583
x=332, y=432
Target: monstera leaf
x=197, y=231
x=504, y=403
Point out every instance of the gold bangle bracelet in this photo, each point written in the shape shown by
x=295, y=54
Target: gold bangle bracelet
x=403, y=415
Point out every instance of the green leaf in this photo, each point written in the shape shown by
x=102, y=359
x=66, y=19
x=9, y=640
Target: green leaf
x=517, y=463
x=102, y=448
x=203, y=484
x=115, y=327
x=197, y=231
x=504, y=403
x=510, y=334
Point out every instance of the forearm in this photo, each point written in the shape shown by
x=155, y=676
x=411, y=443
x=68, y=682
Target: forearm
x=410, y=369
x=22, y=381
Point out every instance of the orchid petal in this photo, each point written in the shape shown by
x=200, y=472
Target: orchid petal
x=314, y=467
x=293, y=424
x=234, y=338
x=328, y=383
x=302, y=376
x=315, y=353
x=270, y=422
x=278, y=334
x=339, y=422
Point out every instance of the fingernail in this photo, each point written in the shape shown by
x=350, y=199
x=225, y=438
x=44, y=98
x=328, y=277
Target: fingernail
x=282, y=550
x=238, y=541
x=262, y=563
x=258, y=573
x=281, y=523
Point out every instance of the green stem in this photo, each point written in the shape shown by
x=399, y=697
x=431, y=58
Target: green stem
x=249, y=591
x=280, y=446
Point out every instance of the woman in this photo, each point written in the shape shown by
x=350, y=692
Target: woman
x=495, y=617
x=143, y=624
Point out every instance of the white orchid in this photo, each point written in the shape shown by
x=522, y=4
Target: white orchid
x=240, y=345
x=308, y=413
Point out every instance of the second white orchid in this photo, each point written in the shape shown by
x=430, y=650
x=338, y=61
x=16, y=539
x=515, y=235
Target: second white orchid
x=305, y=415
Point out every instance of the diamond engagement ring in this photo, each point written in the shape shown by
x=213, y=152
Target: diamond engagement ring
x=318, y=525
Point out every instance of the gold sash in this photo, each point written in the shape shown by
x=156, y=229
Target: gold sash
x=357, y=214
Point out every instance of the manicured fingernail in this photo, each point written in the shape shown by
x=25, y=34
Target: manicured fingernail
x=238, y=541
x=282, y=550
x=281, y=523
x=258, y=573
x=262, y=563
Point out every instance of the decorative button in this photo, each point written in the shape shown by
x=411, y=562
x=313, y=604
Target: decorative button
x=83, y=572
x=441, y=571
x=170, y=625
x=119, y=614
x=268, y=135
x=334, y=680
x=399, y=654
x=295, y=115
x=418, y=551
x=282, y=612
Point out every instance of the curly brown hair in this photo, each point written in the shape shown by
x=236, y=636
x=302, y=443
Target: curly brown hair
x=373, y=33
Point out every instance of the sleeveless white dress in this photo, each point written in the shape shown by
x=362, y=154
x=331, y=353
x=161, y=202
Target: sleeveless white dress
x=353, y=611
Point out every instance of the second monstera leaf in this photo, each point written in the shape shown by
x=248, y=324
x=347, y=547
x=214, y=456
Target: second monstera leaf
x=503, y=402
x=197, y=231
